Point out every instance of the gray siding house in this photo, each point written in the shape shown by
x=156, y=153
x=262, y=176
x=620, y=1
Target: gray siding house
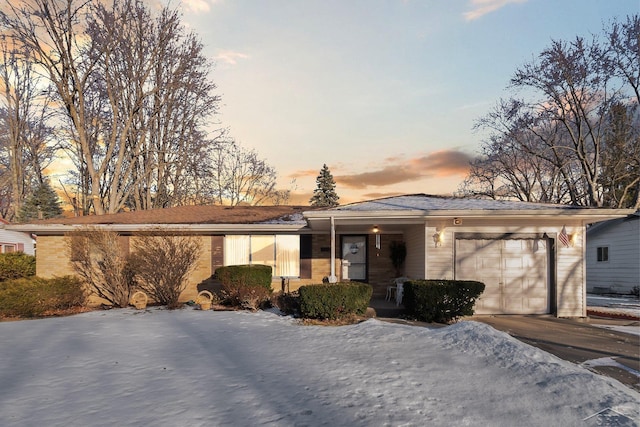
x=613, y=255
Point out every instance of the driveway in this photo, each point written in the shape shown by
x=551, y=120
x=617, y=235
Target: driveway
x=608, y=352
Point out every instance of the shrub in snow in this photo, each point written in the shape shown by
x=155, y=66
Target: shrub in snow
x=14, y=265
x=245, y=286
x=96, y=256
x=333, y=301
x=441, y=301
x=34, y=296
x=161, y=264
x=288, y=303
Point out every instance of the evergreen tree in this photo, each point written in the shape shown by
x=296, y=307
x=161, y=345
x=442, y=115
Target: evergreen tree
x=325, y=193
x=42, y=204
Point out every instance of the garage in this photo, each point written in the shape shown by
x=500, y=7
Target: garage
x=514, y=269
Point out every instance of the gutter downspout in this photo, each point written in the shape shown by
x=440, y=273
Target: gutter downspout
x=333, y=278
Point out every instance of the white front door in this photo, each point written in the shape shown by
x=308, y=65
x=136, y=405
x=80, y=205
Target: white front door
x=354, y=252
x=514, y=273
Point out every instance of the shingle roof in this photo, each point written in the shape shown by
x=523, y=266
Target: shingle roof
x=192, y=215
x=430, y=203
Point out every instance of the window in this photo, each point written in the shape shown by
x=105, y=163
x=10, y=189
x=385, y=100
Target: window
x=603, y=253
x=8, y=248
x=281, y=252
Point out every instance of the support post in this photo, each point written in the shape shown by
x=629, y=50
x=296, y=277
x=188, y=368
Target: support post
x=333, y=278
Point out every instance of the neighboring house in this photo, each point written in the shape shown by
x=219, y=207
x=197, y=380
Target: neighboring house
x=530, y=256
x=613, y=255
x=15, y=241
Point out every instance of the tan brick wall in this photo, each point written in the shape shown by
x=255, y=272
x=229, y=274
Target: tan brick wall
x=51, y=257
x=201, y=271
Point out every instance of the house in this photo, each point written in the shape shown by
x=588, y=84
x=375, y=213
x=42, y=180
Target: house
x=530, y=256
x=15, y=241
x=613, y=255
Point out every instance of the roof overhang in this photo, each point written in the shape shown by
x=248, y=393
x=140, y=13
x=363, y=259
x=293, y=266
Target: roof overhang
x=341, y=217
x=59, y=229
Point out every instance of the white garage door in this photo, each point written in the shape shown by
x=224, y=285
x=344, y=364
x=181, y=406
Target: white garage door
x=513, y=271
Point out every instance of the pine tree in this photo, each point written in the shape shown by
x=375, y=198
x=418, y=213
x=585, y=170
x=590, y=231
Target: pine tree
x=42, y=204
x=325, y=193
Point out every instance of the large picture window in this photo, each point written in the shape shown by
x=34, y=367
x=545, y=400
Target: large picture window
x=280, y=252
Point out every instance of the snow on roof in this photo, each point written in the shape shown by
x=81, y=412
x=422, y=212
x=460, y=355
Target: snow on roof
x=431, y=202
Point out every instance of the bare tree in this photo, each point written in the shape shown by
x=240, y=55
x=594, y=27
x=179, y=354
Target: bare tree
x=135, y=93
x=241, y=177
x=53, y=31
x=621, y=159
x=550, y=145
x=24, y=146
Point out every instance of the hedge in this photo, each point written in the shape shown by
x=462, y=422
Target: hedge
x=15, y=265
x=248, y=275
x=441, y=301
x=333, y=301
x=246, y=286
x=35, y=296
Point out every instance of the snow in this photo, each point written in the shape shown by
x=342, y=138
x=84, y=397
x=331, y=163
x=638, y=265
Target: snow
x=432, y=202
x=195, y=368
x=614, y=304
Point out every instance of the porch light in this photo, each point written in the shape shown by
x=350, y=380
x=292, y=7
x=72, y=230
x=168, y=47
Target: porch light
x=573, y=238
x=437, y=238
x=376, y=230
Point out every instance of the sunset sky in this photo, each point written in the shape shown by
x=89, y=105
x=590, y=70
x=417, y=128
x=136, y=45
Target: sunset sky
x=385, y=92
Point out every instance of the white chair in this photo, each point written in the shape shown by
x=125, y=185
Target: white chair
x=391, y=292
x=399, y=285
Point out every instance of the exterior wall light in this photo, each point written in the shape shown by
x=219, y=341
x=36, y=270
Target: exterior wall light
x=437, y=238
x=376, y=231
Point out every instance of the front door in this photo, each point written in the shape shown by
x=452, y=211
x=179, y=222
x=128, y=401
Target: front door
x=354, y=258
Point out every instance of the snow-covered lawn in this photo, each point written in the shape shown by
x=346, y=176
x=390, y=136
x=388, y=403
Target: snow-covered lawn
x=195, y=368
x=614, y=305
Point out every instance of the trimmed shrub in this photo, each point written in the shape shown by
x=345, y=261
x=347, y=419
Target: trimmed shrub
x=441, y=301
x=334, y=301
x=15, y=265
x=35, y=296
x=245, y=286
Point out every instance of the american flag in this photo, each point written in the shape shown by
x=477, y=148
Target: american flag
x=564, y=237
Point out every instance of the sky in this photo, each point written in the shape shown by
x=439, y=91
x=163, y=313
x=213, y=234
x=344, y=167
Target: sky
x=385, y=92
x=200, y=368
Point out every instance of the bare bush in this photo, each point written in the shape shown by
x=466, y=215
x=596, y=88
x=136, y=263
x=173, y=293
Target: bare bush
x=162, y=263
x=96, y=257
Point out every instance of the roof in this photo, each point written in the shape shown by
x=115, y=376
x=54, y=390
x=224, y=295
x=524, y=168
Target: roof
x=189, y=215
x=427, y=202
x=602, y=226
x=200, y=218
x=422, y=206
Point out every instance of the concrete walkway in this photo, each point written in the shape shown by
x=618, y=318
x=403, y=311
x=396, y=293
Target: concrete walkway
x=608, y=352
